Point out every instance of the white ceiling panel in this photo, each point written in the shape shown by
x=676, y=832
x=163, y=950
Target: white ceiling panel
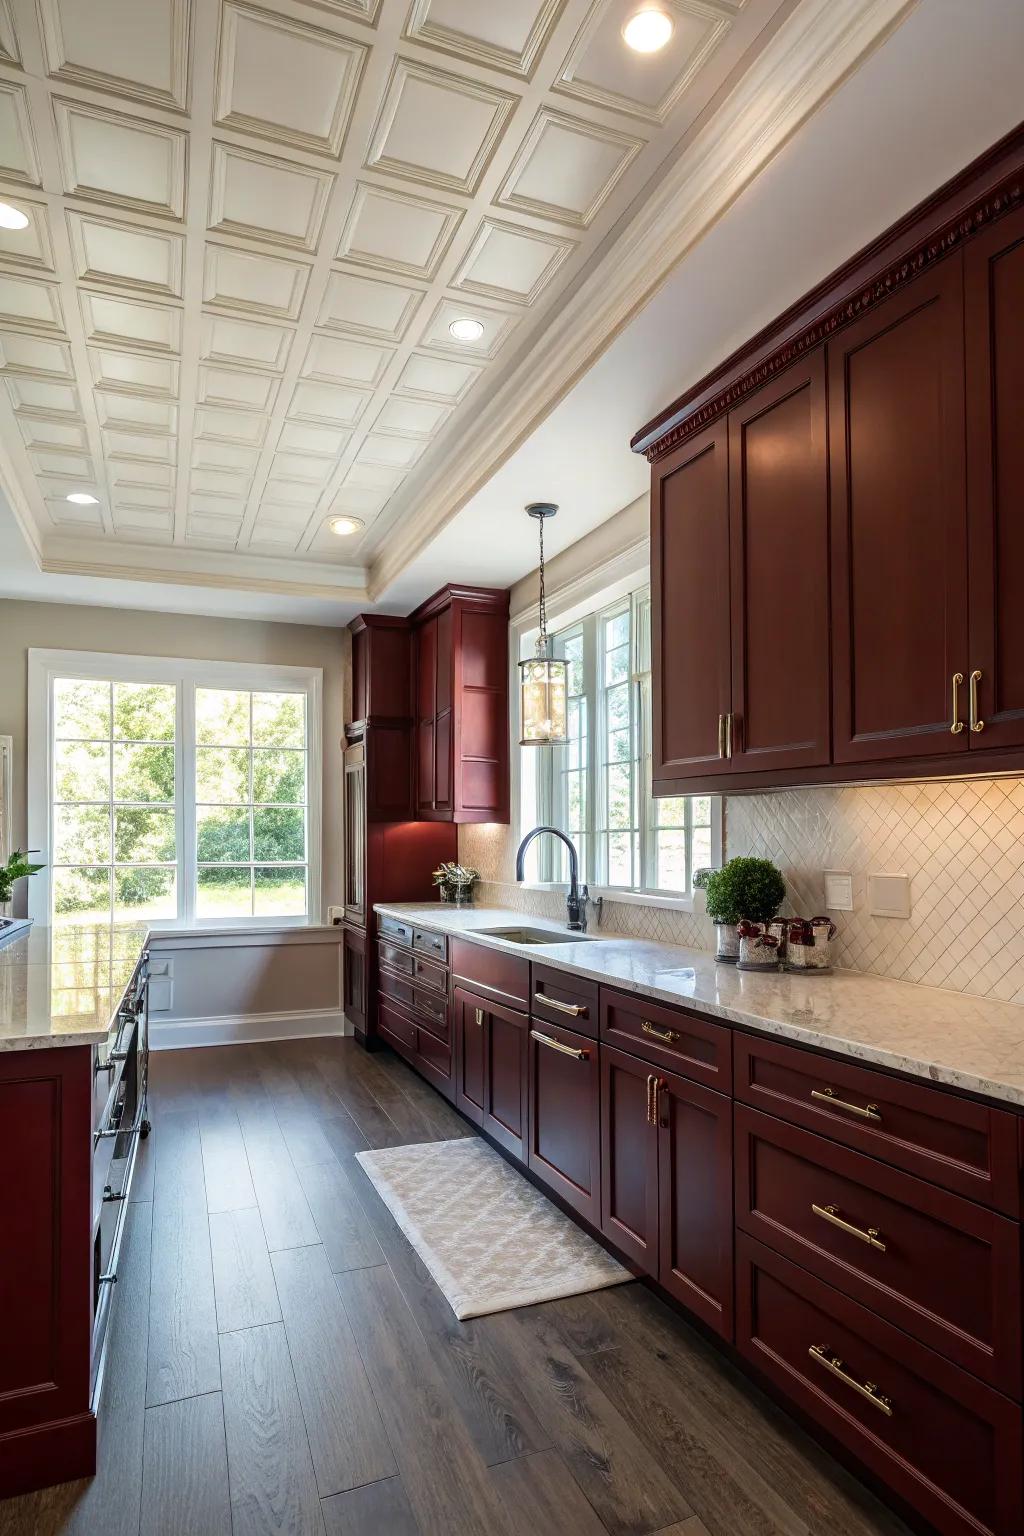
x=33, y=305
x=29, y=394
x=340, y=360
x=267, y=198
x=29, y=247
x=41, y=432
x=326, y=442
x=368, y=306
x=437, y=378
x=566, y=168
x=648, y=85
x=508, y=261
x=34, y=354
x=125, y=255
x=138, y=50
x=497, y=325
x=397, y=232
x=245, y=343
x=437, y=127
x=507, y=36
x=249, y=391
x=130, y=323
x=121, y=160
x=133, y=373
x=327, y=403
x=18, y=162
x=136, y=412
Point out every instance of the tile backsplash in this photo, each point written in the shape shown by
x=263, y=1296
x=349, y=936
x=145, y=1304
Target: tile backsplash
x=960, y=842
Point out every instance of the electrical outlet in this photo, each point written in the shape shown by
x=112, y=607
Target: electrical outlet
x=335, y=915
x=838, y=890
x=889, y=895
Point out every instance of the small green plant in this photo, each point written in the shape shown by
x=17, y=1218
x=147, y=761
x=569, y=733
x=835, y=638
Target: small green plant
x=743, y=887
x=16, y=868
x=455, y=881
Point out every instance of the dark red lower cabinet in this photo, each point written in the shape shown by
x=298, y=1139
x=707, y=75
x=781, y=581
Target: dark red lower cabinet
x=629, y=1158
x=939, y=1438
x=470, y=1044
x=695, y=1198
x=565, y=1116
x=491, y=1068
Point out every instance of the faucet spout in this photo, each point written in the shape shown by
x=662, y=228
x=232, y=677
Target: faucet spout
x=576, y=906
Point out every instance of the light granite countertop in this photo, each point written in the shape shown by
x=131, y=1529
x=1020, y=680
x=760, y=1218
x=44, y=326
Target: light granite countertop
x=63, y=985
x=941, y=1036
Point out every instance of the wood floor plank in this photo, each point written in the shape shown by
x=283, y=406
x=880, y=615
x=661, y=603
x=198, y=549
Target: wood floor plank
x=445, y=1479
x=343, y=1135
x=491, y=1403
x=622, y=1479
x=541, y=1498
x=287, y=1219
x=185, y=1476
x=225, y=1165
x=243, y=1280
x=273, y=1487
x=341, y=1072
x=342, y=1223
x=379, y=1509
x=344, y=1429
x=692, y=1527
x=183, y=1355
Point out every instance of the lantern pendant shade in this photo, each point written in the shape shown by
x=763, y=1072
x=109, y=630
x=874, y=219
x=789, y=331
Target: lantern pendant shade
x=543, y=713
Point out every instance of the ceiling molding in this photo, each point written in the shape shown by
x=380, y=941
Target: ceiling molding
x=809, y=57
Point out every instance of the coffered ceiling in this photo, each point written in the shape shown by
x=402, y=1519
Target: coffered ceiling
x=251, y=226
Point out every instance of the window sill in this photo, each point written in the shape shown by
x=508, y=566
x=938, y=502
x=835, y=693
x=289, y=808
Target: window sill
x=220, y=935
x=619, y=893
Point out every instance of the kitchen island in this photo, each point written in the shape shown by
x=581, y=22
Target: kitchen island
x=73, y=1068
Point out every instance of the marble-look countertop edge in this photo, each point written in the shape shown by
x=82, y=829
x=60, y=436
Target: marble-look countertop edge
x=54, y=1038
x=1007, y=1089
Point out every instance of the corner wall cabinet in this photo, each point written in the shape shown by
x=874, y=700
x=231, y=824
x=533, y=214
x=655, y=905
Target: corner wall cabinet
x=837, y=553
x=854, y=1235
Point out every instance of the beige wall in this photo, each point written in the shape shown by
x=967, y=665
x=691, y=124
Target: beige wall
x=66, y=626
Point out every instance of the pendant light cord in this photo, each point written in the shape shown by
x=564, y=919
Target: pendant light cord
x=542, y=638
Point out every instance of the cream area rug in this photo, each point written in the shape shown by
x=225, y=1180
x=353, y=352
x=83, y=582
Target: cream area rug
x=489, y=1239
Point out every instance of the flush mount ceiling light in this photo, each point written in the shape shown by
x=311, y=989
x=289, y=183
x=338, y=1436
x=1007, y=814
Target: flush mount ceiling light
x=466, y=329
x=344, y=526
x=83, y=499
x=541, y=678
x=12, y=218
x=648, y=30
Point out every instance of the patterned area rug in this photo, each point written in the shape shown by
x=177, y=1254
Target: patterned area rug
x=489, y=1239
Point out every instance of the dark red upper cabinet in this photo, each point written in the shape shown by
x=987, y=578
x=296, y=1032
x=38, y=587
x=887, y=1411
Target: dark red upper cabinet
x=461, y=693
x=382, y=713
x=994, y=329
x=899, y=525
x=778, y=515
x=690, y=610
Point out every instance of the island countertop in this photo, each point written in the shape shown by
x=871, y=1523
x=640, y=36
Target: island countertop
x=63, y=985
x=940, y=1036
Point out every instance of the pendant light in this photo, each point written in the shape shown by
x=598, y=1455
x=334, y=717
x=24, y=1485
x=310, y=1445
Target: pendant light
x=541, y=678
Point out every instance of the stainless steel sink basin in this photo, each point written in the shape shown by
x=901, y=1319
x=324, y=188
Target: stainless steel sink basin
x=535, y=936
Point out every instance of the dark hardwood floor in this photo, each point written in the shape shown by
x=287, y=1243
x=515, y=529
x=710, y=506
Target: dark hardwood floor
x=280, y=1361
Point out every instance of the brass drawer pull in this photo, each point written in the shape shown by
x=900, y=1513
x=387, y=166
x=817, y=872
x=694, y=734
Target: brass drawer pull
x=870, y=1235
x=721, y=736
x=976, y=724
x=556, y=1045
x=867, y=1112
x=670, y=1036
x=575, y=1010
x=651, y=1080
x=956, y=724
x=867, y=1389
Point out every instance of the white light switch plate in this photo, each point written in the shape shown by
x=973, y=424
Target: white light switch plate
x=838, y=890
x=335, y=915
x=889, y=895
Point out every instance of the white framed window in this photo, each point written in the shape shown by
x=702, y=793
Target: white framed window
x=597, y=789
x=181, y=793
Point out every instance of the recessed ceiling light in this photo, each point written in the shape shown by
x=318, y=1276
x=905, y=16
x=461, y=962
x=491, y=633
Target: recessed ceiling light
x=343, y=526
x=648, y=30
x=83, y=499
x=466, y=329
x=12, y=218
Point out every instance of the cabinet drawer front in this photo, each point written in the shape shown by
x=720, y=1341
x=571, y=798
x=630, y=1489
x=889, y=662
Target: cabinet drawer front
x=501, y=977
x=429, y=974
x=398, y=988
x=397, y=959
x=963, y=1146
x=559, y=997
x=564, y=1116
x=433, y=1011
x=394, y=928
x=430, y=943
x=434, y=1058
x=670, y=1037
x=944, y=1269
x=396, y=1026
x=949, y=1445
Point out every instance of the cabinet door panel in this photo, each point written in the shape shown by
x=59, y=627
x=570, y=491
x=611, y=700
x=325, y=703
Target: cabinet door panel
x=469, y=1015
x=994, y=330
x=695, y=1197
x=355, y=834
x=426, y=694
x=629, y=1159
x=443, y=762
x=354, y=967
x=899, y=540
x=425, y=766
x=690, y=607
x=564, y=1116
x=778, y=537
x=505, y=1079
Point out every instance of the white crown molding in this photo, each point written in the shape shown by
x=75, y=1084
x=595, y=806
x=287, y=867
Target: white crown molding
x=815, y=50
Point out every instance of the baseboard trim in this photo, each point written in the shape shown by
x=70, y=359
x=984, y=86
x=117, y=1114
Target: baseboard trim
x=246, y=1029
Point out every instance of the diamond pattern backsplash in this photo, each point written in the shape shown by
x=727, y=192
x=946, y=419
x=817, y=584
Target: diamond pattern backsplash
x=961, y=843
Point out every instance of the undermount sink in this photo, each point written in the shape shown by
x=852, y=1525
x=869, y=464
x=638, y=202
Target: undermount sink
x=535, y=936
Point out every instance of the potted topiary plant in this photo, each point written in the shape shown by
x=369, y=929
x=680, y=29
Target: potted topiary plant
x=743, y=889
x=16, y=868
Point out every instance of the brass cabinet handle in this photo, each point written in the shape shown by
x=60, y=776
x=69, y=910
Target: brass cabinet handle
x=575, y=1010
x=867, y=1112
x=823, y=1356
x=479, y=1016
x=976, y=723
x=721, y=736
x=556, y=1045
x=650, y=1098
x=670, y=1036
x=728, y=734
x=870, y=1235
x=957, y=725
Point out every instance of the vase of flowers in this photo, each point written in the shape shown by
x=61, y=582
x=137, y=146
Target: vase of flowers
x=455, y=883
x=743, y=889
x=17, y=867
